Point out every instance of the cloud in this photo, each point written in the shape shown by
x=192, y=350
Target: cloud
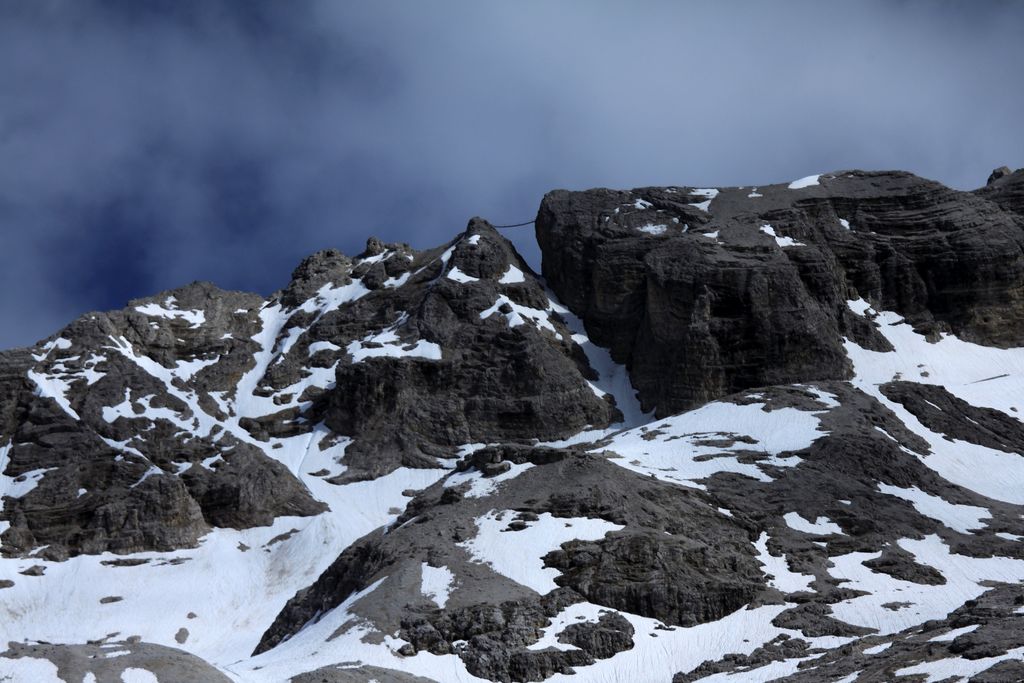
x=145, y=145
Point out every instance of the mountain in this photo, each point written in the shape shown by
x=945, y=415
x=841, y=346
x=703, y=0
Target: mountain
x=731, y=434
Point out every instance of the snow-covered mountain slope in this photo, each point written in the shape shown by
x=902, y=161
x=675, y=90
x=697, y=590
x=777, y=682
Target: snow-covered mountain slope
x=434, y=466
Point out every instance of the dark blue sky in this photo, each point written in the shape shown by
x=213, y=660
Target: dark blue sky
x=147, y=144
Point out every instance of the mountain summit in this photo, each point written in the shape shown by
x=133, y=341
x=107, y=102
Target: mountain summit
x=731, y=434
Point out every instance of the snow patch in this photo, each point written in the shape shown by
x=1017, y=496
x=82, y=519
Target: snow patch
x=965, y=580
x=171, y=312
x=436, y=584
x=518, y=554
x=479, y=485
x=680, y=448
x=822, y=526
x=779, y=239
x=962, y=518
x=519, y=314
x=804, y=182
x=983, y=376
x=783, y=578
x=386, y=343
x=652, y=229
x=459, y=276
x=958, y=668
x=512, y=276
x=954, y=634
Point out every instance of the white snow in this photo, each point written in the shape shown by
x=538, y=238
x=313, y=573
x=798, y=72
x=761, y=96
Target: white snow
x=672, y=454
x=171, y=312
x=51, y=386
x=59, y=343
x=822, y=526
x=954, y=634
x=5, y=482
x=387, y=343
x=804, y=182
x=234, y=594
x=964, y=576
x=473, y=240
x=711, y=235
x=958, y=667
x=436, y=583
x=754, y=194
x=520, y=314
x=517, y=554
x=983, y=376
x=845, y=223
x=459, y=276
x=512, y=276
x=779, y=239
x=642, y=204
x=579, y=613
x=778, y=568
x=29, y=670
x=134, y=675
x=652, y=229
x=705, y=205
x=962, y=518
x=16, y=487
x=340, y=636
x=480, y=485
x=186, y=369
x=613, y=379
x=317, y=347
x=397, y=281
x=657, y=652
x=874, y=650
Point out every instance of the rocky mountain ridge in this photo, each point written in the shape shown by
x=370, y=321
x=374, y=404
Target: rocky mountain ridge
x=732, y=434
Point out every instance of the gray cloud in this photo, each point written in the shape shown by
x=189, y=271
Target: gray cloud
x=144, y=145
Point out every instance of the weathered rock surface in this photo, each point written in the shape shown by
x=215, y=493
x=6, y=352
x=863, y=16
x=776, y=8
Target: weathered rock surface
x=710, y=303
x=111, y=660
x=144, y=428
x=419, y=465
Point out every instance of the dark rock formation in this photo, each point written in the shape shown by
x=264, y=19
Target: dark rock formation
x=501, y=374
x=148, y=426
x=712, y=304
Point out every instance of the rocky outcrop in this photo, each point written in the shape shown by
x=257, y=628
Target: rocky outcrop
x=706, y=292
x=143, y=428
x=509, y=365
x=1006, y=188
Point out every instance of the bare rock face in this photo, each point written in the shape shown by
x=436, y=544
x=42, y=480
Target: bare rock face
x=1005, y=188
x=706, y=292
